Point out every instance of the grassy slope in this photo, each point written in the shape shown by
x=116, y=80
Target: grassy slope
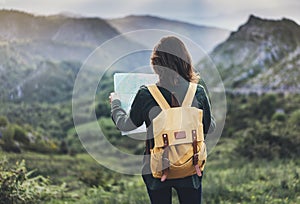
x=227, y=179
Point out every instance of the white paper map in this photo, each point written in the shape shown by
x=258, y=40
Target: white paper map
x=126, y=85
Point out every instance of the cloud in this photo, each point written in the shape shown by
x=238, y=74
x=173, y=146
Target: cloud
x=237, y=5
x=229, y=14
x=42, y=7
x=232, y=13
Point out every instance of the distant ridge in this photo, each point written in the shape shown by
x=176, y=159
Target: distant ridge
x=262, y=55
x=207, y=37
x=41, y=55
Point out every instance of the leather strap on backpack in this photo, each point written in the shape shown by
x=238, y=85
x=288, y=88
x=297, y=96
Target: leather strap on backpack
x=195, y=156
x=165, y=158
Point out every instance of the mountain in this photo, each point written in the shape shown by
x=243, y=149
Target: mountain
x=16, y=25
x=206, y=37
x=41, y=55
x=32, y=47
x=53, y=37
x=34, y=50
x=262, y=55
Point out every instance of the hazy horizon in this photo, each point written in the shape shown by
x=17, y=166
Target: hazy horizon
x=222, y=14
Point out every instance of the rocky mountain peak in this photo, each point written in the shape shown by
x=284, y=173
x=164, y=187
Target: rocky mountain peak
x=258, y=29
x=262, y=53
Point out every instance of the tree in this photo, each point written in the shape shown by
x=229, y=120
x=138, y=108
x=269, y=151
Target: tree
x=294, y=120
x=20, y=135
x=8, y=144
x=3, y=122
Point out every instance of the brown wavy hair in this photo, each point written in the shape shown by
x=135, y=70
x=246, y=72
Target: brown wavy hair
x=171, y=60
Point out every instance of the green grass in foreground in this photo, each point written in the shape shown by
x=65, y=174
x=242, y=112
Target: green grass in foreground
x=227, y=179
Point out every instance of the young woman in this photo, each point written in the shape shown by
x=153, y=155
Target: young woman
x=172, y=62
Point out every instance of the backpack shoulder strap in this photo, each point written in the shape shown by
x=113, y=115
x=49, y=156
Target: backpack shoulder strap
x=188, y=99
x=159, y=98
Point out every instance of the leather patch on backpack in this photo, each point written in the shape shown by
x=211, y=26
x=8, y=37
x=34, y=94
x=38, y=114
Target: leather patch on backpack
x=180, y=135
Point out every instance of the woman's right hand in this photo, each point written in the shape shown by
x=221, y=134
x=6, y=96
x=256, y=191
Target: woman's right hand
x=113, y=96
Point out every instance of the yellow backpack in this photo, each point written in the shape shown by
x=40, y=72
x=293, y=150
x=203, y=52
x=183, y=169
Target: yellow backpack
x=179, y=149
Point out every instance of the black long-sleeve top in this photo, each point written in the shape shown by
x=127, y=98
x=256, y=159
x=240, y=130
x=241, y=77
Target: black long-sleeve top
x=144, y=109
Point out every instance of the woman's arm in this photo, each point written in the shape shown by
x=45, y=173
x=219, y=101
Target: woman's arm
x=122, y=120
x=204, y=103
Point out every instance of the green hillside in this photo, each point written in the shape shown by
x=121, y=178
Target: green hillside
x=255, y=161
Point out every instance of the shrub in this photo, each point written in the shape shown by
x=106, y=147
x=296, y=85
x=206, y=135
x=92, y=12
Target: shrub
x=7, y=142
x=20, y=135
x=42, y=145
x=279, y=116
x=294, y=120
x=8, y=134
x=260, y=141
x=63, y=148
x=102, y=109
x=267, y=105
x=91, y=177
x=18, y=186
x=109, y=129
x=74, y=145
x=3, y=121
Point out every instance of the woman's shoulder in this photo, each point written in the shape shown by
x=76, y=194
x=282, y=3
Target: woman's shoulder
x=143, y=91
x=143, y=88
x=202, y=86
x=201, y=93
x=200, y=89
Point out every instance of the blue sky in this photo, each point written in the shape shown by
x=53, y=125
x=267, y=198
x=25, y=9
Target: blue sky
x=228, y=14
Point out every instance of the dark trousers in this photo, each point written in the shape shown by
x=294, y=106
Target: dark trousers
x=185, y=195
